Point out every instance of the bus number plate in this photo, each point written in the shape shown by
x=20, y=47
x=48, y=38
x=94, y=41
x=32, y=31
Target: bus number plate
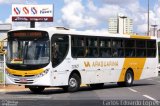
x=23, y=80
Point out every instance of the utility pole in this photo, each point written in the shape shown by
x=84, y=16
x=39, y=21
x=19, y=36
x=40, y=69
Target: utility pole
x=148, y=20
x=32, y=24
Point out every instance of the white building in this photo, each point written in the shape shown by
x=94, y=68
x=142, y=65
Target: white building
x=4, y=28
x=112, y=25
x=120, y=24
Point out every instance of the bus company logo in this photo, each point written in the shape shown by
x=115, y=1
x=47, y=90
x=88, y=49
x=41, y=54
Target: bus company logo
x=45, y=11
x=33, y=10
x=25, y=10
x=17, y=11
x=100, y=64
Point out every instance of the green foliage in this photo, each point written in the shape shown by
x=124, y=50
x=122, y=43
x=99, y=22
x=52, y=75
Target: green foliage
x=1, y=77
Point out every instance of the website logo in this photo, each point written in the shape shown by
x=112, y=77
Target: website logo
x=34, y=10
x=45, y=11
x=17, y=10
x=25, y=10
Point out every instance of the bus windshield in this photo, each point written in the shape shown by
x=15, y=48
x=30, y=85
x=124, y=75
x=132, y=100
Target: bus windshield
x=28, y=52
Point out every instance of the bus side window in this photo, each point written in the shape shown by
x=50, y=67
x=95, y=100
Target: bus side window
x=105, y=53
x=151, y=48
x=117, y=48
x=78, y=45
x=60, y=46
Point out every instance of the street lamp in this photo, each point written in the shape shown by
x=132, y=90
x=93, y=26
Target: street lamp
x=148, y=20
x=154, y=29
x=123, y=17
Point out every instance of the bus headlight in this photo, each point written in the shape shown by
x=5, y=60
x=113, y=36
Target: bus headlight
x=44, y=73
x=7, y=73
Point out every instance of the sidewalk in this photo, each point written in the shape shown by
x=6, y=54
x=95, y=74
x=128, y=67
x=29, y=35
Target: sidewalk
x=8, y=88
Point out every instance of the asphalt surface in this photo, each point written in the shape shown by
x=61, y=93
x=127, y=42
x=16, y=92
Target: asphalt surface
x=144, y=92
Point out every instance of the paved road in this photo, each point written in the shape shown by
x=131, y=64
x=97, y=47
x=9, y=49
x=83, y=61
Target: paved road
x=111, y=94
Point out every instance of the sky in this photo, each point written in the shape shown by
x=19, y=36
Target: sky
x=89, y=14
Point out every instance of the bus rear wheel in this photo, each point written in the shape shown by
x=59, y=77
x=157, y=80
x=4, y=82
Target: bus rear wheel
x=36, y=89
x=128, y=81
x=129, y=78
x=97, y=86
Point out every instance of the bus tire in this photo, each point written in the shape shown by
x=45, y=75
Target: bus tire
x=65, y=88
x=97, y=86
x=36, y=89
x=121, y=84
x=128, y=81
x=129, y=77
x=73, y=83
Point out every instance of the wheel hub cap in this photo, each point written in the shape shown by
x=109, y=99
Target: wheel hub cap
x=129, y=78
x=73, y=82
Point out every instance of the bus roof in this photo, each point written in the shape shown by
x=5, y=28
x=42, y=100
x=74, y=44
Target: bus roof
x=63, y=30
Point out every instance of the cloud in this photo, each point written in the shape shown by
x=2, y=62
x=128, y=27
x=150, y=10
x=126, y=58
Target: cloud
x=11, y=1
x=94, y=16
x=119, y=2
x=17, y=1
x=9, y=19
x=75, y=15
x=142, y=28
x=90, y=15
x=157, y=12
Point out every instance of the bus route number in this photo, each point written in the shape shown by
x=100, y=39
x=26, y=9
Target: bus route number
x=75, y=66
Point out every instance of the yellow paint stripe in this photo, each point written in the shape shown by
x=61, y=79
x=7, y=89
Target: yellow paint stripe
x=83, y=85
x=24, y=73
x=140, y=37
x=137, y=64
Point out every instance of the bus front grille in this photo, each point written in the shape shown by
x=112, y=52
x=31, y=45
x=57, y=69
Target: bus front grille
x=23, y=81
x=24, y=76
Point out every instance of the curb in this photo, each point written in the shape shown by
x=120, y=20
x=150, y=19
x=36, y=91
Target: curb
x=2, y=90
x=15, y=88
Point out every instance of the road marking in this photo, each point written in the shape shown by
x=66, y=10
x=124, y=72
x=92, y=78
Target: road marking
x=149, y=97
x=132, y=90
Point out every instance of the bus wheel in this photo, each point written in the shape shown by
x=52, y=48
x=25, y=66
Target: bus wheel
x=97, y=86
x=129, y=78
x=65, y=88
x=37, y=89
x=73, y=83
x=121, y=84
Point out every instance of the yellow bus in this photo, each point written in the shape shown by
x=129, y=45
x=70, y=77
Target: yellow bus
x=55, y=57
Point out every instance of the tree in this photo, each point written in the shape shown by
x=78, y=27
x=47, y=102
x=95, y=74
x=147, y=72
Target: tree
x=2, y=51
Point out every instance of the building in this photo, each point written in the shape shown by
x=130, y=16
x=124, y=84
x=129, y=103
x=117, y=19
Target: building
x=120, y=24
x=158, y=33
x=112, y=25
x=4, y=28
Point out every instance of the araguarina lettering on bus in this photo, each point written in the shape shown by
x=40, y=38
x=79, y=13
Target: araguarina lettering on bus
x=100, y=63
